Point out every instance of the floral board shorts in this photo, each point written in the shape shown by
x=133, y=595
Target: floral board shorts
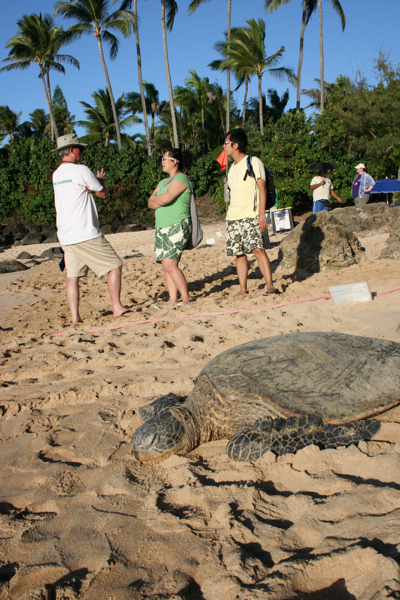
x=243, y=236
x=171, y=241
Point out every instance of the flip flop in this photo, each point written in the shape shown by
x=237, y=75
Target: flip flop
x=160, y=307
x=271, y=293
x=182, y=303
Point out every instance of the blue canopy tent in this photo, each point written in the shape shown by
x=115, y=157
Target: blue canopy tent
x=386, y=186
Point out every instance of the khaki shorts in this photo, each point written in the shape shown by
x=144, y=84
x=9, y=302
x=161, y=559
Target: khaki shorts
x=97, y=255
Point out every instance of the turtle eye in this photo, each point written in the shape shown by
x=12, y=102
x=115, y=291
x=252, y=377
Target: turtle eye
x=149, y=439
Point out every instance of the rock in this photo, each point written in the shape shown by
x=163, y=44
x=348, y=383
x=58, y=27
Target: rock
x=32, y=238
x=34, y=227
x=16, y=230
x=127, y=221
x=52, y=238
x=114, y=226
x=106, y=229
x=11, y=266
x=33, y=263
x=55, y=252
x=24, y=255
x=47, y=231
x=6, y=239
x=367, y=219
x=128, y=228
x=391, y=249
x=321, y=243
x=17, y=243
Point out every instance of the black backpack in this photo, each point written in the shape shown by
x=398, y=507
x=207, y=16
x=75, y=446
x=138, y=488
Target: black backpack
x=269, y=179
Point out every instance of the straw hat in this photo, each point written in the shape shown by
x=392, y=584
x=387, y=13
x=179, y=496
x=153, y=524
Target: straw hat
x=360, y=166
x=66, y=141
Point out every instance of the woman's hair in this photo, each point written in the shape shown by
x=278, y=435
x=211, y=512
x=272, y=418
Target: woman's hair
x=177, y=154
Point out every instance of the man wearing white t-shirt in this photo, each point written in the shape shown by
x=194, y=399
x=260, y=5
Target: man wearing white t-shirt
x=322, y=189
x=245, y=220
x=78, y=226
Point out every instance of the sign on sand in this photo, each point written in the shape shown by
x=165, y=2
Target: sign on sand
x=350, y=292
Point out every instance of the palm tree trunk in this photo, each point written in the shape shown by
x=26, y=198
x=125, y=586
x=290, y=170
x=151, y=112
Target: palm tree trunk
x=303, y=26
x=246, y=88
x=52, y=120
x=228, y=73
x=171, y=95
x=261, y=106
x=49, y=94
x=139, y=63
x=103, y=62
x=321, y=51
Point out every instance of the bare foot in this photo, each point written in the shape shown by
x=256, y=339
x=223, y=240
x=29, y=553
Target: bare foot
x=271, y=292
x=242, y=293
x=78, y=321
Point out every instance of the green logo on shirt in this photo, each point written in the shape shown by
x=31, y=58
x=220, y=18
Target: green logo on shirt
x=65, y=181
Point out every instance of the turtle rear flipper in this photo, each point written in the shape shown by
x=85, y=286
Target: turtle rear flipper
x=285, y=437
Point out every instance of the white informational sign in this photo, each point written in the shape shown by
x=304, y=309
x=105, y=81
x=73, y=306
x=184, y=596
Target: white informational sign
x=282, y=219
x=219, y=234
x=351, y=292
x=211, y=241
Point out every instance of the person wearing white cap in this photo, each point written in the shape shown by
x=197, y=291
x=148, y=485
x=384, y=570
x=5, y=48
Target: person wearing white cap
x=362, y=185
x=78, y=226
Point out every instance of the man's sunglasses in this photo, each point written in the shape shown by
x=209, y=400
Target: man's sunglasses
x=227, y=142
x=168, y=158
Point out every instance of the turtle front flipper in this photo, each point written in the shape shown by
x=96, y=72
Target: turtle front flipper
x=284, y=437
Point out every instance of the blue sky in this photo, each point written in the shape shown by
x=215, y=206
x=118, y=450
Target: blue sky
x=369, y=26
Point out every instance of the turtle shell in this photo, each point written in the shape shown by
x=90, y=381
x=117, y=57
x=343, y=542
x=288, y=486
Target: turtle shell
x=338, y=377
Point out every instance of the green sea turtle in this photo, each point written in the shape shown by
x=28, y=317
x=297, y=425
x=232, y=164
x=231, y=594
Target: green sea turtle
x=280, y=393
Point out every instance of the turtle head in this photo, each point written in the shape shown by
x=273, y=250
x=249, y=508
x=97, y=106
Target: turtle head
x=159, y=437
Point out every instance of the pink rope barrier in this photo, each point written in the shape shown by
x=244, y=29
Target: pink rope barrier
x=210, y=314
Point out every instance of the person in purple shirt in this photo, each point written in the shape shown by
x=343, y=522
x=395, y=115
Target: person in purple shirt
x=362, y=185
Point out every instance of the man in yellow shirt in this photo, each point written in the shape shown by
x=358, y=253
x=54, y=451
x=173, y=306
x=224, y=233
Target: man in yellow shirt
x=245, y=220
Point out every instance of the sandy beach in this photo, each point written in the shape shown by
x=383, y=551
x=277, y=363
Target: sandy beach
x=80, y=518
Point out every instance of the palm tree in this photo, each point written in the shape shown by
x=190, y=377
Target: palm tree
x=308, y=7
x=39, y=123
x=93, y=16
x=342, y=83
x=152, y=103
x=311, y=8
x=197, y=93
x=9, y=122
x=139, y=61
x=38, y=41
x=172, y=9
x=242, y=73
x=271, y=6
x=249, y=52
x=100, y=122
x=192, y=7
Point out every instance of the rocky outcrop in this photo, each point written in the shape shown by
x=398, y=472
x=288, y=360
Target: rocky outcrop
x=54, y=253
x=321, y=243
x=391, y=248
x=11, y=266
x=26, y=233
x=367, y=219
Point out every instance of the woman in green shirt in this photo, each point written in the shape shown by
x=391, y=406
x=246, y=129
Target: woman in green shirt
x=171, y=201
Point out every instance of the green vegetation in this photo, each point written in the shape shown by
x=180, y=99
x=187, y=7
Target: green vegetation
x=355, y=121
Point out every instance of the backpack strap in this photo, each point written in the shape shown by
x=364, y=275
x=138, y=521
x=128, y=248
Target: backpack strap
x=250, y=172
